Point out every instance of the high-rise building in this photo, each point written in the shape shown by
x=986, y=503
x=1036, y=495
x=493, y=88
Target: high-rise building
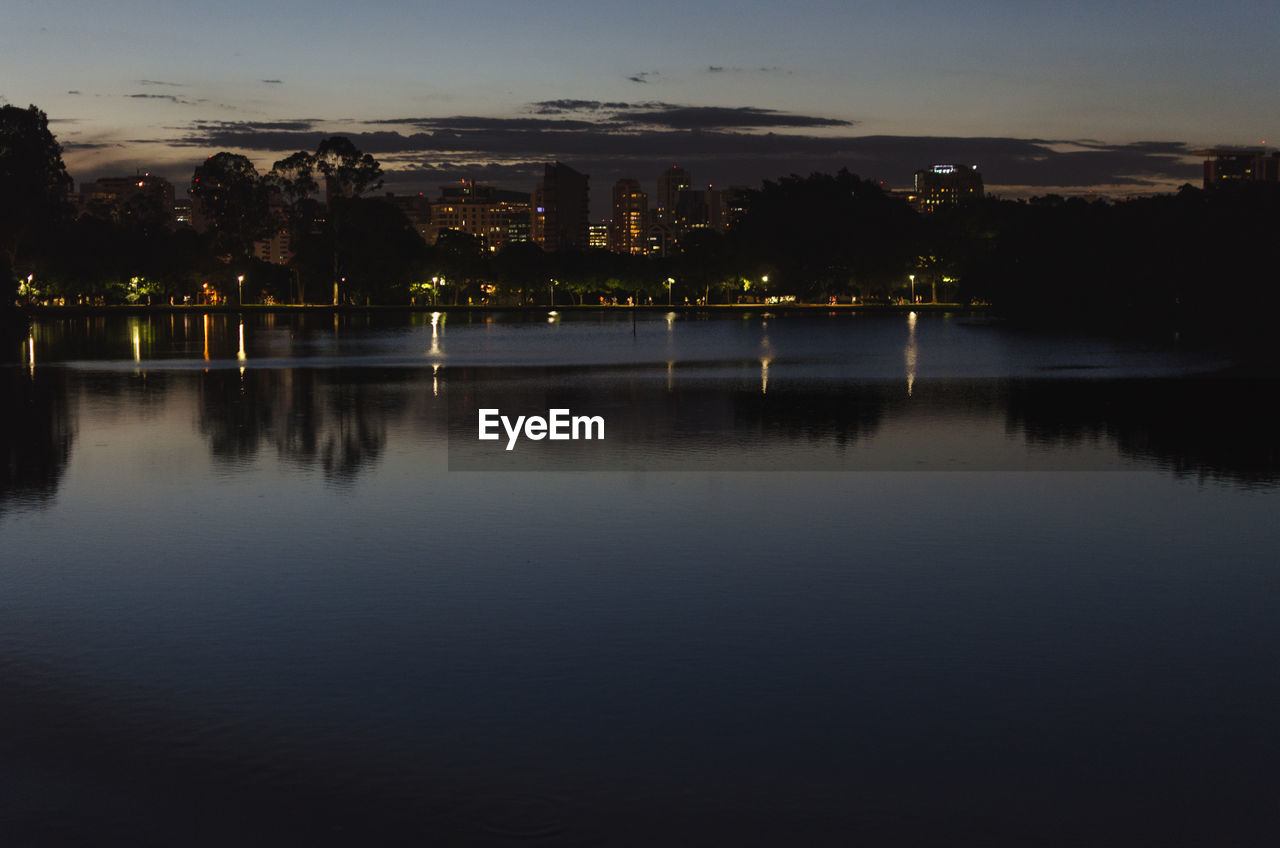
x=698, y=209
x=598, y=236
x=733, y=204
x=942, y=185
x=629, y=231
x=670, y=183
x=493, y=215
x=1231, y=165
x=561, y=207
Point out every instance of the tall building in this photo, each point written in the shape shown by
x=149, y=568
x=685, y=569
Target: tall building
x=629, y=231
x=598, y=236
x=699, y=209
x=942, y=185
x=670, y=183
x=1231, y=165
x=561, y=207
x=493, y=215
x=733, y=204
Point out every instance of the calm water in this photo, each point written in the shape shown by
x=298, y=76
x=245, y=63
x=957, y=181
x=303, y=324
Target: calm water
x=831, y=580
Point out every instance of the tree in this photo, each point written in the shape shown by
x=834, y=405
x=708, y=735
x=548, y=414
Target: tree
x=347, y=171
x=292, y=181
x=233, y=198
x=33, y=184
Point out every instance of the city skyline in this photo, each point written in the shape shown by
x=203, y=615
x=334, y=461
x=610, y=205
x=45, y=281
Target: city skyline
x=1092, y=97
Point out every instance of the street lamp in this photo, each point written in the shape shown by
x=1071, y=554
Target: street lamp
x=553, y=293
x=240, y=288
x=913, y=287
x=671, y=281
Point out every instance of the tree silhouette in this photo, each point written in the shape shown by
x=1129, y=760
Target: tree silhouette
x=33, y=185
x=233, y=198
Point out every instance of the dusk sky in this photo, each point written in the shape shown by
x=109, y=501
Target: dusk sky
x=1043, y=97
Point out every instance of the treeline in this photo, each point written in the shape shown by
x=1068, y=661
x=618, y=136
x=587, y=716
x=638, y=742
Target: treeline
x=1192, y=259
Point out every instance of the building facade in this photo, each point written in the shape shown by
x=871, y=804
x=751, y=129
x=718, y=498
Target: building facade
x=629, y=230
x=947, y=185
x=1232, y=165
x=561, y=209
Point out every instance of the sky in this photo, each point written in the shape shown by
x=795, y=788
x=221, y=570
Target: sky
x=1044, y=97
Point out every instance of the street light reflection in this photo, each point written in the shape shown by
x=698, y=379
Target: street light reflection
x=910, y=352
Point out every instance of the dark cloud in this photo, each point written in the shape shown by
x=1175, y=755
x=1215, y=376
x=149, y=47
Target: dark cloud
x=720, y=117
x=643, y=76
x=465, y=122
x=89, y=145
x=296, y=125
x=713, y=142
x=273, y=82
x=427, y=176
x=162, y=82
x=172, y=98
x=73, y=91
x=721, y=69
x=558, y=107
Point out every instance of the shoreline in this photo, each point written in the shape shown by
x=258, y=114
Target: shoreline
x=289, y=309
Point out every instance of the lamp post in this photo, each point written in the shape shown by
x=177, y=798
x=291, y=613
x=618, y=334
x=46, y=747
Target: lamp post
x=553, y=293
x=240, y=288
x=912, y=277
x=671, y=281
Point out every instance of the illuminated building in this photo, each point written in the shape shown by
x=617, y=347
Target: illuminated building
x=561, y=210
x=1232, y=165
x=670, y=183
x=628, y=233
x=598, y=236
x=733, y=205
x=495, y=216
x=943, y=185
x=698, y=209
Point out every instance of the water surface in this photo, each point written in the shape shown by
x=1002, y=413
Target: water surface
x=837, y=580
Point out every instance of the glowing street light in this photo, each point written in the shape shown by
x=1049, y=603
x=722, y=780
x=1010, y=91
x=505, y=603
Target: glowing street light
x=913, y=287
x=240, y=288
x=671, y=281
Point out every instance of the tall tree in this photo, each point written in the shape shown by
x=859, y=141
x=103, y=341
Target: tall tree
x=33, y=185
x=348, y=173
x=233, y=198
x=292, y=182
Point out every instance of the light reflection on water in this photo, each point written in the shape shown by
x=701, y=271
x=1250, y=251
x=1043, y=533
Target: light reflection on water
x=266, y=587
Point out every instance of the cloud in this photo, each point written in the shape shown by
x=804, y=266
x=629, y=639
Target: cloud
x=559, y=107
x=293, y=125
x=172, y=98
x=73, y=91
x=721, y=69
x=720, y=117
x=720, y=145
x=465, y=122
x=162, y=82
x=643, y=76
x=89, y=145
x=272, y=82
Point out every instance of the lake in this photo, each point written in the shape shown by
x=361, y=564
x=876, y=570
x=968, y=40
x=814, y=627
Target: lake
x=828, y=579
